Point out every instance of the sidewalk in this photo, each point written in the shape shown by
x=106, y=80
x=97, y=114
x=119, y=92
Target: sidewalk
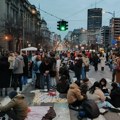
x=5, y=100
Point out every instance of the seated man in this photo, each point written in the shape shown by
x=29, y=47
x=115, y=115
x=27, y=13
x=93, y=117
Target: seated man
x=17, y=108
x=74, y=96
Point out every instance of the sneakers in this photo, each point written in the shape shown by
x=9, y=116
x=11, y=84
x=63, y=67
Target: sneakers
x=74, y=108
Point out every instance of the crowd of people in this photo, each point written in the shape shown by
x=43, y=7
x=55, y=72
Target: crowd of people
x=51, y=69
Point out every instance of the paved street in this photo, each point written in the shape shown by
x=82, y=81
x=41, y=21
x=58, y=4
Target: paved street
x=40, y=98
x=100, y=74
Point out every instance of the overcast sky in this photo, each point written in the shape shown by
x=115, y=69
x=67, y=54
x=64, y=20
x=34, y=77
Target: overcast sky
x=74, y=11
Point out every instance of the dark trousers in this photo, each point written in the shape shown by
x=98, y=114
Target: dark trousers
x=10, y=113
x=96, y=67
x=37, y=82
x=77, y=103
x=113, y=75
x=11, y=75
x=17, y=81
x=102, y=68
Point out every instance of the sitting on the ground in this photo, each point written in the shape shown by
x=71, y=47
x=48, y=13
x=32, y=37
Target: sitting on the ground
x=103, y=86
x=115, y=95
x=74, y=96
x=98, y=96
x=17, y=108
x=63, y=85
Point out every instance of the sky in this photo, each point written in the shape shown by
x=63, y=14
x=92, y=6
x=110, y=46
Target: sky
x=74, y=11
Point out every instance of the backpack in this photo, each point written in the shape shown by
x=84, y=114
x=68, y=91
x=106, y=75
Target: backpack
x=90, y=108
x=35, y=66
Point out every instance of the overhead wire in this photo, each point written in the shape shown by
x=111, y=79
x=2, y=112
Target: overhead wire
x=69, y=15
x=83, y=9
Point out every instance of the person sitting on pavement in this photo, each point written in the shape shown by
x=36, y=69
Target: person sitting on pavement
x=103, y=86
x=87, y=82
x=63, y=85
x=64, y=71
x=95, y=93
x=17, y=108
x=74, y=96
x=115, y=95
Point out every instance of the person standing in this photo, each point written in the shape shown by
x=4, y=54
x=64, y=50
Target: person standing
x=45, y=68
x=38, y=74
x=11, y=59
x=18, y=71
x=4, y=75
x=25, y=69
x=114, y=63
x=118, y=69
x=95, y=61
x=102, y=62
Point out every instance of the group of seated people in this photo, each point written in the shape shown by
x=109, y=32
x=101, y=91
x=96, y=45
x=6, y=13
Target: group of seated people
x=99, y=92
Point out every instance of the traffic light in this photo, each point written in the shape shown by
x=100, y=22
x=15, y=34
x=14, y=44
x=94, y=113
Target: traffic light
x=62, y=25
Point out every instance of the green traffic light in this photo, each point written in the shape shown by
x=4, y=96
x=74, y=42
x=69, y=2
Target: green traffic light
x=62, y=28
x=62, y=25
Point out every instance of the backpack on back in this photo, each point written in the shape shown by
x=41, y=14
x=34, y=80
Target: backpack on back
x=35, y=66
x=91, y=109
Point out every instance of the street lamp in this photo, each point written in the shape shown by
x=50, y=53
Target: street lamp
x=113, y=14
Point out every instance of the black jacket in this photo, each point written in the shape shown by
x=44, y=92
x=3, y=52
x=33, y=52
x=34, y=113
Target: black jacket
x=115, y=97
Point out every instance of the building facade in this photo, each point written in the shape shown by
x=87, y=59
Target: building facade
x=94, y=19
x=115, y=28
x=19, y=24
x=105, y=36
x=45, y=34
x=94, y=23
x=79, y=36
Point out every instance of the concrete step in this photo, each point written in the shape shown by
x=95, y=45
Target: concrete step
x=62, y=111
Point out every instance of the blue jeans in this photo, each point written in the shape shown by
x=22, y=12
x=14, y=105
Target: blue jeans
x=33, y=76
x=104, y=104
x=83, y=73
x=43, y=80
x=24, y=80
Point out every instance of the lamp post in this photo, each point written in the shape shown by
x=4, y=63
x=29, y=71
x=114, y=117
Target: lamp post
x=113, y=16
x=111, y=13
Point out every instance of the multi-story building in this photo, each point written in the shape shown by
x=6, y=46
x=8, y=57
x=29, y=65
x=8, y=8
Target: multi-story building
x=79, y=36
x=68, y=36
x=105, y=36
x=45, y=34
x=94, y=19
x=115, y=29
x=94, y=23
x=19, y=24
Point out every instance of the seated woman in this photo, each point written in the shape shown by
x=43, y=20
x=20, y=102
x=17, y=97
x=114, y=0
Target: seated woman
x=63, y=85
x=74, y=96
x=95, y=93
x=103, y=86
x=115, y=95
